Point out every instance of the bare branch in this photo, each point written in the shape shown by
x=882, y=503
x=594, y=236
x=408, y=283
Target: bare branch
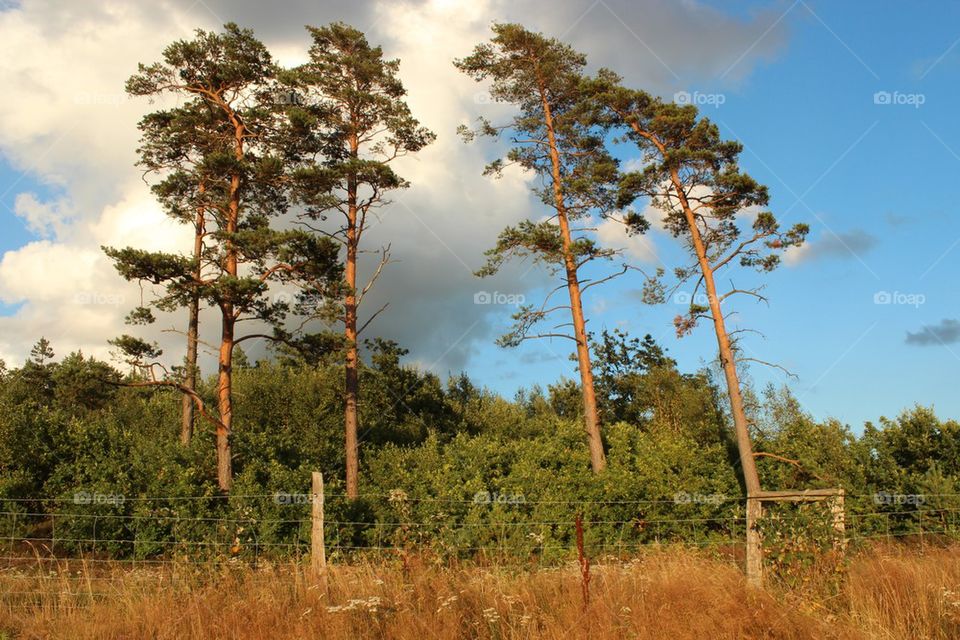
x=197, y=400
x=548, y=335
x=384, y=261
x=602, y=280
x=370, y=319
x=796, y=463
x=772, y=365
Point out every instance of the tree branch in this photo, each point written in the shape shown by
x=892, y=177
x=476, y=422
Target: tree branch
x=796, y=463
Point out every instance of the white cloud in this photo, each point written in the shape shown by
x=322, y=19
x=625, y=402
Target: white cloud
x=43, y=218
x=612, y=234
x=67, y=124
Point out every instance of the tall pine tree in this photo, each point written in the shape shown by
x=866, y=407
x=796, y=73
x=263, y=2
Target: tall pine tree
x=351, y=125
x=692, y=176
x=240, y=186
x=554, y=137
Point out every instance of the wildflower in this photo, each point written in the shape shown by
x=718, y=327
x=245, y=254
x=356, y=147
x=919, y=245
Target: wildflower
x=491, y=615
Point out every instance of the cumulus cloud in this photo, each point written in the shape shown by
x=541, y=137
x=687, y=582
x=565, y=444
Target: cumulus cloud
x=612, y=234
x=43, y=218
x=849, y=244
x=72, y=129
x=947, y=331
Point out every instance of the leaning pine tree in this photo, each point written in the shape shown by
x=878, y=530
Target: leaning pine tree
x=244, y=183
x=349, y=123
x=693, y=177
x=553, y=137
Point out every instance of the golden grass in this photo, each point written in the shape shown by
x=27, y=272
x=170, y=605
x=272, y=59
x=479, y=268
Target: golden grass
x=888, y=593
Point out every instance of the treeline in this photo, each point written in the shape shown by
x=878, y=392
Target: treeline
x=432, y=447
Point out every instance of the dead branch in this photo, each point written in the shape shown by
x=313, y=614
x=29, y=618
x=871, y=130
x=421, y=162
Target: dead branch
x=370, y=319
x=384, y=261
x=772, y=365
x=197, y=400
x=796, y=463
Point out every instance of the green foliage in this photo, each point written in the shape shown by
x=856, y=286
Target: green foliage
x=693, y=178
x=221, y=165
x=557, y=139
x=452, y=470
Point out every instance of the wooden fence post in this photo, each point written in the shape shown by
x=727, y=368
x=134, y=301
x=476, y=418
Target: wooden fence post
x=318, y=552
x=584, y=563
x=754, y=562
x=839, y=520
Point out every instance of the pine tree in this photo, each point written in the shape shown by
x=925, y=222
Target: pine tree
x=175, y=145
x=41, y=352
x=554, y=138
x=351, y=124
x=692, y=176
x=240, y=187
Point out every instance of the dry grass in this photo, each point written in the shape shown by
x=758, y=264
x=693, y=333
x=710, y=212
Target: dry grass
x=889, y=593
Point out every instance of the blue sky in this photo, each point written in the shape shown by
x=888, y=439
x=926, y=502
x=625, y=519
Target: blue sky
x=797, y=82
x=871, y=181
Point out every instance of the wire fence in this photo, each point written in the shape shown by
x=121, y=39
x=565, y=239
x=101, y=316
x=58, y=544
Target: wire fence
x=79, y=549
x=273, y=526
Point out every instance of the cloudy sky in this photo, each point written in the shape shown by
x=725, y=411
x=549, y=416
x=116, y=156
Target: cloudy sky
x=848, y=116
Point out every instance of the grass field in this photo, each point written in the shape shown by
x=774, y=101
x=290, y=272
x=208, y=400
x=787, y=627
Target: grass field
x=885, y=592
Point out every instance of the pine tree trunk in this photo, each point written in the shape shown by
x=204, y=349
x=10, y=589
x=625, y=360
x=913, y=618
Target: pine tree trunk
x=190, y=379
x=351, y=377
x=225, y=369
x=727, y=361
x=227, y=331
x=193, y=328
x=598, y=460
x=225, y=401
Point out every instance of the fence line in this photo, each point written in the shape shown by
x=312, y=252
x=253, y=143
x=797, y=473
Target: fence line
x=243, y=538
x=440, y=523
x=407, y=498
x=636, y=523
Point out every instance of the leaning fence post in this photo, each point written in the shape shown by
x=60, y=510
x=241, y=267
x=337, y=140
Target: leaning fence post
x=754, y=561
x=318, y=552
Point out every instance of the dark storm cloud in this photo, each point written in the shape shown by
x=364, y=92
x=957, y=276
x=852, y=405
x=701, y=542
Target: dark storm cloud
x=281, y=20
x=661, y=44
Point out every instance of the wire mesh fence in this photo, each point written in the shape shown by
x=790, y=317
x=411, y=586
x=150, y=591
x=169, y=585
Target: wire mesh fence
x=75, y=550
x=271, y=527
